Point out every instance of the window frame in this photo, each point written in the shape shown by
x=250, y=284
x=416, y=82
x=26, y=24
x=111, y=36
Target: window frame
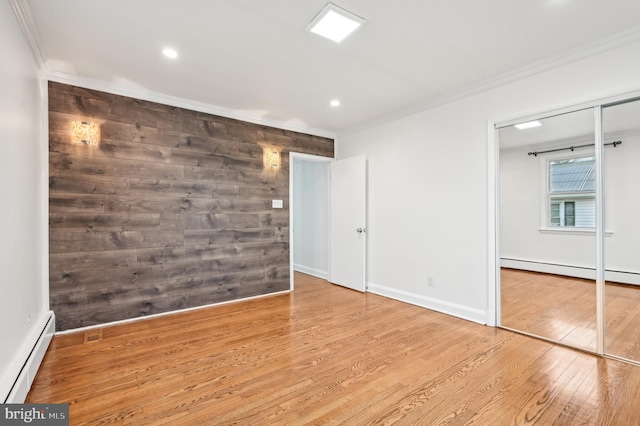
x=546, y=197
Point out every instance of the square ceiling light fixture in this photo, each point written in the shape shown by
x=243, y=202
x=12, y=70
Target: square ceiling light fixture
x=335, y=23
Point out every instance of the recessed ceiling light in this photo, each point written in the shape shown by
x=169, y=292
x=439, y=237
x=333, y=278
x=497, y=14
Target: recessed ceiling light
x=334, y=23
x=528, y=125
x=335, y=103
x=170, y=53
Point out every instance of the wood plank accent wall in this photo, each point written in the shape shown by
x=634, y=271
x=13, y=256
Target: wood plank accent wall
x=171, y=210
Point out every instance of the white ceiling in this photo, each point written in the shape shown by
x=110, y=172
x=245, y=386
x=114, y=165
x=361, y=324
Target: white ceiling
x=254, y=58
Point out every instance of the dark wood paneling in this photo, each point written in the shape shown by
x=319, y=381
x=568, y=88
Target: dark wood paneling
x=178, y=189
x=109, y=130
x=70, y=242
x=65, y=203
x=103, y=222
x=269, y=220
x=142, y=205
x=159, y=256
x=172, y=209
x=60, y=262
x=124, y=150
x=97, y=281
x=228, y=236
x=69, y=183
x=226, y=176
x=96, y=165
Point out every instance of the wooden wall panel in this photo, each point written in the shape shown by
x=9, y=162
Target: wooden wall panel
x=171, y=210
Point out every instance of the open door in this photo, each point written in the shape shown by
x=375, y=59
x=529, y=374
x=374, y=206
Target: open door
x=347, y=235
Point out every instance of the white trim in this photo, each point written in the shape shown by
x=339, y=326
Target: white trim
x=572, y=231
x=608, y=43
x=600, y=251
x=24, y=16
x=44, y=193
x=311, y=271
x=571, y=271
x=493, y=244
x=549, y=268
x=542, y=114
x=17, y=382
x=151, y=96
x=306, y=157
x=164, y=314
x=464, y=312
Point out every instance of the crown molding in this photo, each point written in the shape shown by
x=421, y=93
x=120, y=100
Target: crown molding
x=22, y=10
x=614, y=41
x=24, y=16
x=161, y=98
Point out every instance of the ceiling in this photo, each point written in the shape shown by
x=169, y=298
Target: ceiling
x=253, y=58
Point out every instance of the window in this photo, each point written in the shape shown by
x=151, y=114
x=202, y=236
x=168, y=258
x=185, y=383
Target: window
x=563, y=213
x=571, y=194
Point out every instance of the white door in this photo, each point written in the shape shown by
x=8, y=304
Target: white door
x=347, y=221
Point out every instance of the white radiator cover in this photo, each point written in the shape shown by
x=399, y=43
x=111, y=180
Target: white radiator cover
x=25, y=367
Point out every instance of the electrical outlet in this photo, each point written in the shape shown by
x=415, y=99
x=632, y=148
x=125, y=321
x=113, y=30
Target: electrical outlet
x=430, y=282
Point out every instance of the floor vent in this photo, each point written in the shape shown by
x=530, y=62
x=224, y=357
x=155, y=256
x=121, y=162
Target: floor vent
x=93, y=336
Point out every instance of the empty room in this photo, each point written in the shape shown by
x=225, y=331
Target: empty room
x=310, y=212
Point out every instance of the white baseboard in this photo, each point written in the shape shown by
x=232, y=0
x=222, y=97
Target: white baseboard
x=164, y=314
x=311, y=271
x=30, y=357
x=571, y=271
x=471, y=314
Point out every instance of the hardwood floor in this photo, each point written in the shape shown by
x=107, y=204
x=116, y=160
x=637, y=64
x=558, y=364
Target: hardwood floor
x=328, y=355
x=552, y=306
x=564, y=309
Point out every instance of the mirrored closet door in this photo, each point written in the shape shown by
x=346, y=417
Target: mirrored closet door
x=621, y=126
x=547, y=220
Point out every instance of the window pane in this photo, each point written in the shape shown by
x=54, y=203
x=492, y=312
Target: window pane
x=569, y=213
x=554, y=215
x=573, y=175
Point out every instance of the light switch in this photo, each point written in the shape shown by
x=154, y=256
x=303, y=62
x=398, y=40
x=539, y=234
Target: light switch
x=276, y=204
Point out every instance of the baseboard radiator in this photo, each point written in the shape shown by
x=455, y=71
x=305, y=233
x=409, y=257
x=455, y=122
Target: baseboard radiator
x=571, y=271
x=30, y=358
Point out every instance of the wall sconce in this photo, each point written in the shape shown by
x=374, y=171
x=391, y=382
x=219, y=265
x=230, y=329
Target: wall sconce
x=85, y=132
x=272, y=159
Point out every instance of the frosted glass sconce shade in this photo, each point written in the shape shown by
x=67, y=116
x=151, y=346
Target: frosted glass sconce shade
x=272, y=159
x=85, y=132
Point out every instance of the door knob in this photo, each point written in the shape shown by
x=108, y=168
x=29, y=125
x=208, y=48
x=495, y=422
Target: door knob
x=360, y=230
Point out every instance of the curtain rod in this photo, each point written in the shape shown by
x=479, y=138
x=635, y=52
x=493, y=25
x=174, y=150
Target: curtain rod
x=535, y=153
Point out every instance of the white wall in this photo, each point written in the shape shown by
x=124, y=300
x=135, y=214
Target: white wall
x=622, y=205
x=521, y=205
x=428, y=181
x=23, y=280
x=310, y=218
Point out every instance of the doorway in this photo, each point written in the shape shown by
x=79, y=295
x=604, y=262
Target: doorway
x=309, y=210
